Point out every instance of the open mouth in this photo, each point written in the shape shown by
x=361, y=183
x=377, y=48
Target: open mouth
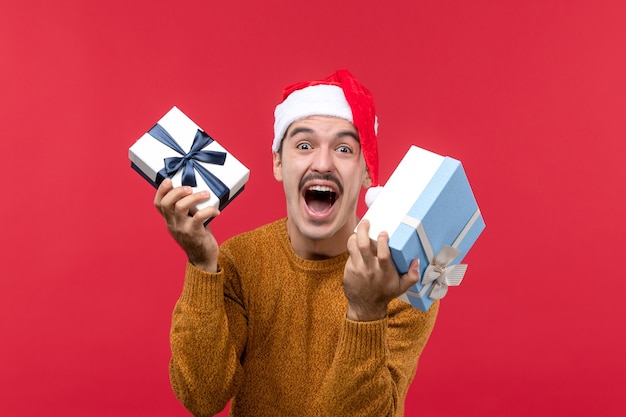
x=320, y=198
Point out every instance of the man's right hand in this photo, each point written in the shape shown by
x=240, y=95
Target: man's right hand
x=176, y=206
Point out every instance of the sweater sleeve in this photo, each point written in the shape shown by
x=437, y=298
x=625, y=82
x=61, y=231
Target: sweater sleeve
x=375, y=363
x=207, y=338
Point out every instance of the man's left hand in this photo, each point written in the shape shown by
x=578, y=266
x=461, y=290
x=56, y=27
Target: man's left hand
x=370, y=278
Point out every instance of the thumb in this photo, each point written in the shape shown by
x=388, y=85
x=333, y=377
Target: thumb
x=412, y=276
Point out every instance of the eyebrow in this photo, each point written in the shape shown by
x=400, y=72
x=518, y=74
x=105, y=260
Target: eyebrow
x=300, y=130
x=308, y=130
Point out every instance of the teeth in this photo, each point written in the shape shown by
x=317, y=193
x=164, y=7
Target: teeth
x=321, y=188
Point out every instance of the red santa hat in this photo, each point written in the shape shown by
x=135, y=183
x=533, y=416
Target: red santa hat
x=338, y=95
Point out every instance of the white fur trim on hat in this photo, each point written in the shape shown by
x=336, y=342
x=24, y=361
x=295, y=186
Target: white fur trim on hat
x=372, y=194
x=315, y=100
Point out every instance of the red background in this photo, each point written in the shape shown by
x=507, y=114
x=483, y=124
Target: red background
x=530, y=96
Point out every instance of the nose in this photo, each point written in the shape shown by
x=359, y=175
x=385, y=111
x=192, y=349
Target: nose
x=323, y=160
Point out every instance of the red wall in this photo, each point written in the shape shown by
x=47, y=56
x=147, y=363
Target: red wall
x=530, y=96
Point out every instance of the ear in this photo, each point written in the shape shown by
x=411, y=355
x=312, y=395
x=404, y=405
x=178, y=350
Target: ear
x=278, y=173
x=367, y=181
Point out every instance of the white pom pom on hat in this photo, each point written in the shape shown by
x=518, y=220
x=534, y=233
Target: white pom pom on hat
x=372, y=194
x=338, y=95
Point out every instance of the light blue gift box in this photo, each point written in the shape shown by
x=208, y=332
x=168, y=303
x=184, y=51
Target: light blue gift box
x=428, y=208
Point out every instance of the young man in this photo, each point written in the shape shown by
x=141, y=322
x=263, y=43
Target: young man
x=298, y=317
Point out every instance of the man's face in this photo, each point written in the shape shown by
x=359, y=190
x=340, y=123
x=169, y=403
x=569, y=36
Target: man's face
x=322, y=170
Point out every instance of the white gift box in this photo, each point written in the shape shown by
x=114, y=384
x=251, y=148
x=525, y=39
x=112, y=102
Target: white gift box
x=178, y=148
x=429, y=211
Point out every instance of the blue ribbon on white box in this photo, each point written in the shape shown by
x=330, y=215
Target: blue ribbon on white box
x=439, y=275
x=188, y=162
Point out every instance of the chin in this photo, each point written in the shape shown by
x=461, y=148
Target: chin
x=317, y=231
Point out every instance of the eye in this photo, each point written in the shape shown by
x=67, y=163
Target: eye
x=344, y=149
x=303, y=146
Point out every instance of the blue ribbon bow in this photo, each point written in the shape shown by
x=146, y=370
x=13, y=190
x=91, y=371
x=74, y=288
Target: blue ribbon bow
x=188, y=162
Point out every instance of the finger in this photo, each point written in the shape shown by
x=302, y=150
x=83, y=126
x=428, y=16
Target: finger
x=412, y=277
x=164, y=188
x=168, y=203
x=383, y=253
x=201, y=216
x=353, y=249
x=364, y=243
x=186, y=206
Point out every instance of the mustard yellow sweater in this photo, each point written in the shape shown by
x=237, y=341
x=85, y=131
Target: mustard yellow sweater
x=270, y=332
